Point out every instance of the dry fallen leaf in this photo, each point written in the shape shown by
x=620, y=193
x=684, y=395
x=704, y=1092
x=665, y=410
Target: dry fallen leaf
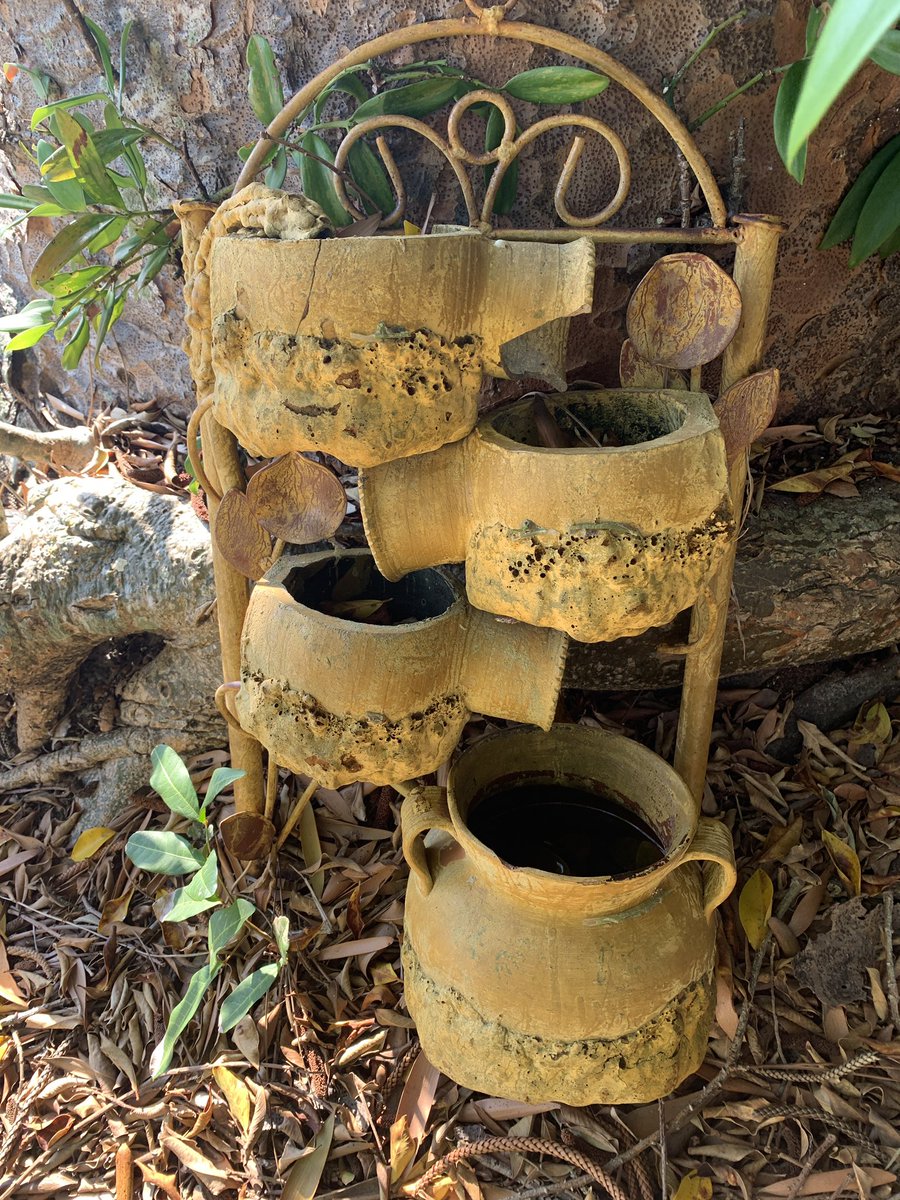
x=303, y=1181
x=91, y=841
x=237, y=1095
x=694, y=1187
x=846, y=862
x=755, y=907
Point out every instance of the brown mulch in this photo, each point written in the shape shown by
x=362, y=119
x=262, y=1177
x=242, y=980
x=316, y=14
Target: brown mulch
x=799, y=1094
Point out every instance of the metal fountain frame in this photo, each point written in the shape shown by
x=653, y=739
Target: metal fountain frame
x=754, y=238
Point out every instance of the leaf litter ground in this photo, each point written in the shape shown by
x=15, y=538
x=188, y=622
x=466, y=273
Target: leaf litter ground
x=324, y=1086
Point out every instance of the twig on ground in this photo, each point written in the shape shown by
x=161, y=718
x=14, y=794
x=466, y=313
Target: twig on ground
x=890, y=966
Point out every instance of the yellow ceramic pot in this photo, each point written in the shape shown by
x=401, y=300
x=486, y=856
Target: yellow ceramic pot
x=537, y=986
x=373, y=348
x=339, y=699
x=601, y=542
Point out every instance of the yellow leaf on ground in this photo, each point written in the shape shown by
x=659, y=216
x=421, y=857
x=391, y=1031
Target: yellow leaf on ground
x=237, y=1095
x=755, y=907
x=410, y=230
x=873, y=726
x=846, y=862
x=694, y=1187
x=91, y=841
x=403, y=1148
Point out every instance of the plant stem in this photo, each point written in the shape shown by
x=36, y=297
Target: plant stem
x=670, y=85
x=726, y=100
x=345, y=175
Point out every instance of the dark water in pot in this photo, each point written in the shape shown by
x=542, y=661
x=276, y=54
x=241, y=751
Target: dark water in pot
x=563, y=829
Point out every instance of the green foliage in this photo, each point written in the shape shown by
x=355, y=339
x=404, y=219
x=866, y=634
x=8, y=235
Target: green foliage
x=92, y=171
x=167, y=853
x=838, y=42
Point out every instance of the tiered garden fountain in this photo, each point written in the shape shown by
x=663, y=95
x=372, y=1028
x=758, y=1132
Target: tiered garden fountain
x=559, y=938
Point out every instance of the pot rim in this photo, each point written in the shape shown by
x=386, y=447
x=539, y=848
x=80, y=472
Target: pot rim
x=545, y=884
x=699, y=420
x=275, y=576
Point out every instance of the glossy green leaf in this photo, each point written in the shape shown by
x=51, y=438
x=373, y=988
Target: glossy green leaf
x=851, y=32
x=366, y=170
x=247, y=993
x=317, y=181
x=813, y=25
x=892, y=245
x=880, y=215
x=264, y=89
x=111, y=142
x=226, y=923
x=152, y=266
x=27, y=338
x=33, y=192
x=68, y=193
x=843, y=223
x=113, y=304
x=349, y=84
x=171, y=780
x=90, y=170
x=785, y=106
x=163, y=852
x=48, y=210
x=76, y=345
x=68, y=243
x=44, y=111
x=556, y=85
x=123, y=49
x=19, y=203
x=493, y=135
x=275, y=175
x=222, y=777
x=887, y=52
x=35, y=313
x=281, y=927
x=67, y=283
x=103, y=47
x=107, y=236
x=412, y=100
x=182, y=1013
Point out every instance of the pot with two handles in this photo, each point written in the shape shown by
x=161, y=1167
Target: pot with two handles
x=540, y=986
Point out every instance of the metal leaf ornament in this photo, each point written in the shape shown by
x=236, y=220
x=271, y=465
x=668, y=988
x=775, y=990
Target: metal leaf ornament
x=292, y=498
x=746, y=409
x=684, y=312
x=297, y=500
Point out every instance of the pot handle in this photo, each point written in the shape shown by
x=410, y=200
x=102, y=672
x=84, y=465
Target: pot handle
x=423, y=809
x=713, y=844
x=222, y=704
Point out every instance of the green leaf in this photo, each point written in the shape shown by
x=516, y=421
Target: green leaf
x=226, y=923
x=28, y=337
x=556, y=85
x=843, y=223
x=152, y=266
x=412, y=100
x=276, y=173
x=105, y=57
x=76, y=345
x=113, y=304
x=34, y=313
x=171, y=779
x=198, y=895
x=111, y=142
x=892, y=245
x=57, y=106
x=221, y=778
x=19, y=203
x=67, y=283
x=887, y=52
x=39, y=80
x=68, y=193
x=785, y=105
x=123, y=47
x=813, y=25
x=349, y=84
x=163, y=852
x=366, y=170
x=90, y=170
x=317, y=181
x=48, y=210
x=281, y=927
x=264, y=89
x=880, y=215
x=245, y=995
x=493, y=135
x=108, y=235
x=851, y=32
x=181, y=1015
x=68, y=243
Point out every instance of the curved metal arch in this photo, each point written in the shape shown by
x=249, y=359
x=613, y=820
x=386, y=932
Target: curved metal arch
x=491, y=23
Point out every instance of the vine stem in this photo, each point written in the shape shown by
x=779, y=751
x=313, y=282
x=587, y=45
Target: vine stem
x=769, y=73
x=668, y=90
